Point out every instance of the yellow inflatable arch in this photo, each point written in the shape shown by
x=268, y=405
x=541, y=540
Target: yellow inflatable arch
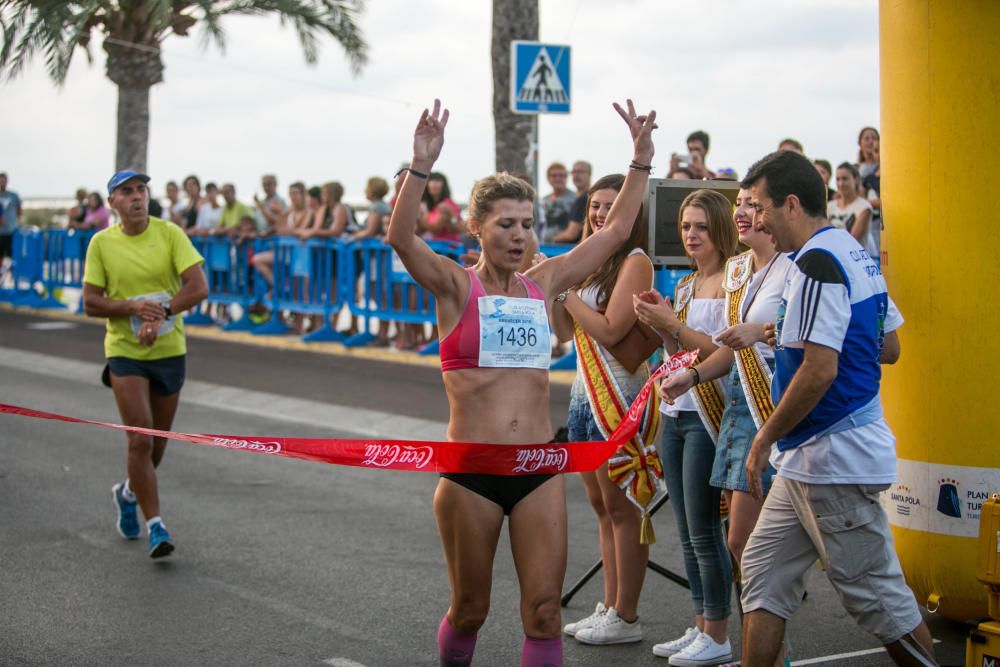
x=940, y=92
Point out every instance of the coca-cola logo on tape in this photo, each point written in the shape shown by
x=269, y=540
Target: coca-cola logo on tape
x=383, y=456
x=272, y=447
x=532, y=460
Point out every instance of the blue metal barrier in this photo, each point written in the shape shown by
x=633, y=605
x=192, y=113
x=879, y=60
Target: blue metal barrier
x=666, y=280
x=65, y=252
x=28, y=267
x=387, y=292
x=317, y=277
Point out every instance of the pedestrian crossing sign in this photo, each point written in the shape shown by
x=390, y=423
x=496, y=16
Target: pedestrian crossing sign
x=539, y=77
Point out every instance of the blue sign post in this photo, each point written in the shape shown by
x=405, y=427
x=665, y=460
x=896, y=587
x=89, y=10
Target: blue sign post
x=539, y=78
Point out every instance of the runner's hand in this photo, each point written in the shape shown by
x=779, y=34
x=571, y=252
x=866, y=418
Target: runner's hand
x=149, y=331
x=148, y=310
x=641, y=129
x=428, y=138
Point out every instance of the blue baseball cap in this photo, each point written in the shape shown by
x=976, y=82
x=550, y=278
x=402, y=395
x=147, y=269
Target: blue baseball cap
x=125, y=175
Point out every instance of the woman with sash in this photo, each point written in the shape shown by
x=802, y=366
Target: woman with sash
x=691, y=425
x=498, y=384
x=753, y=283
x=599, y=314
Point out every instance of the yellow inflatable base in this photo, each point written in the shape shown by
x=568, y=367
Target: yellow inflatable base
x=939, y=569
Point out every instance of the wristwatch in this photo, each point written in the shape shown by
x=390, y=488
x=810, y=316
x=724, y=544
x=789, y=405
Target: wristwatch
x=561, y=297
x=167, y=313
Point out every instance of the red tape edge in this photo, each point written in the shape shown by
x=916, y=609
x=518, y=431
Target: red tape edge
x=417, y=455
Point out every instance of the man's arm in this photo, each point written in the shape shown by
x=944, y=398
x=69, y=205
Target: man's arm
x=810, y=382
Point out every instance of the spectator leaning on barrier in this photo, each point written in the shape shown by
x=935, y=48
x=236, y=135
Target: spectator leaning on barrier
x=10, y=203
x=189, y=216
x=580, y=173
x=174, y=207
x=558, y=203
x=98, y=216
x=441, y=219
x=271, y=209
x=141, y=275
x=292, y=220
x=233, y=211
x=76, y=214
x=209, y=212
x=827, y=437
x=378, y=212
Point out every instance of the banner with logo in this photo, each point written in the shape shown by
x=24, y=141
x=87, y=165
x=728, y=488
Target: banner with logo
x=418, y=455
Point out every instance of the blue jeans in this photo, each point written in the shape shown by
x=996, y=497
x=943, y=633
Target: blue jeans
x=687, y=452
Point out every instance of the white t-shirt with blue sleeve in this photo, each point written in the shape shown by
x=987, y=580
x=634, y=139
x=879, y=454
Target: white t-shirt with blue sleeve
x=836, y=297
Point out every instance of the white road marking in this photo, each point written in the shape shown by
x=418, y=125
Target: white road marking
x=350, y=420
x=837, y=656
x=842, y=656
x=342, y=662
x=51, y=326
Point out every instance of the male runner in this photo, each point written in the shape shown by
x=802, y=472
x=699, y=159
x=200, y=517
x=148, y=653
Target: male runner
x=141, y=274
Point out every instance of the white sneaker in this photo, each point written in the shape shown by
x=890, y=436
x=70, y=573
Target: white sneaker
x=703, y=651
x=667, y=649
x=572, y=628
x=611, y=629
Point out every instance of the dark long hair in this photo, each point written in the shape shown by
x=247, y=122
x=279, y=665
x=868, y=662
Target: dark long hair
x=445, y=190
x=606, y=276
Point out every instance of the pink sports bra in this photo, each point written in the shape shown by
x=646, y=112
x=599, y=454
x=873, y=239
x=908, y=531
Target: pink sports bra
x=460, y=348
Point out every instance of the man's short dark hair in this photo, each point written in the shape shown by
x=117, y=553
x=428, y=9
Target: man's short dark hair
x=699, y=135
x=789, y=173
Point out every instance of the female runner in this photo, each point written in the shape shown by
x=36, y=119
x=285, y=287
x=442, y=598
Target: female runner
x=499, y=393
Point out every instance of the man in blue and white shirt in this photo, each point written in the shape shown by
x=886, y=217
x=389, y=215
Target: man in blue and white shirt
x=827, y=437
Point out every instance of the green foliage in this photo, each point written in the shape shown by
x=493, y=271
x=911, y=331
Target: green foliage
x=53, y=30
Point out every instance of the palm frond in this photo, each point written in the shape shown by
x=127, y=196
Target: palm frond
x=45, y=28
x=309, y=18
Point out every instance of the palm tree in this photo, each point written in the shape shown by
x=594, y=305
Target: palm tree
x=512, y=19
x=132, y=32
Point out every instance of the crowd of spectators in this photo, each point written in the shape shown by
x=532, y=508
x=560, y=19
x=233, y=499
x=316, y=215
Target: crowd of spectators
x=320, y=212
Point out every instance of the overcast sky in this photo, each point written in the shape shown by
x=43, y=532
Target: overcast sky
x=750, y=72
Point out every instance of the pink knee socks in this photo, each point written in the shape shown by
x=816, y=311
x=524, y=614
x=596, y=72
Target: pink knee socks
x=542, y=652
x=455, y=649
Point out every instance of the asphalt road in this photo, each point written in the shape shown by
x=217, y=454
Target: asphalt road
x=278, y=562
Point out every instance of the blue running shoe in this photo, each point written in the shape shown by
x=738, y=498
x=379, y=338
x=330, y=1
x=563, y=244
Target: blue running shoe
x=159, y=541
x=128, y=521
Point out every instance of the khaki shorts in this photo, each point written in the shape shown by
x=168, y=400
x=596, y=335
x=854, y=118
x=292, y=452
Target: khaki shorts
x=845, y=527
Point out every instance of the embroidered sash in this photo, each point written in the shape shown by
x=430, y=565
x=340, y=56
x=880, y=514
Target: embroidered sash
x=709, y=397
x=755, y=375
x=635, y=467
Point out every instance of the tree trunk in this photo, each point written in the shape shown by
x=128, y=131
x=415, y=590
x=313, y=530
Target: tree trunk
x=134, y=70
x=133, y=129
x=512, y=19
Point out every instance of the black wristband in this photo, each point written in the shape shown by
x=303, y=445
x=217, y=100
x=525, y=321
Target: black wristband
x=648, y=168
x=697, y=375
x=412, y=171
